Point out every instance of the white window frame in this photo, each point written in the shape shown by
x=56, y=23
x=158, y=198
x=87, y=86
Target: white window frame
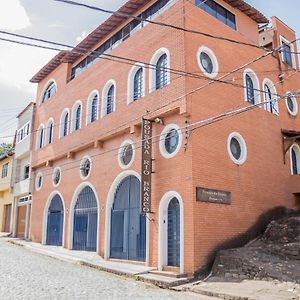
x=275, y=97
x=105, y=90
x=163, y=135
x=25, y=134
x=38, y=138
x=284, y=40
x=36, y=181
x=243, y=145
x=130, y=84
x=89, y=106
x=45, y=88
x=213, y=58
x=296, y=147
x=53, y=176
x=152, y=69
x=47, y=129
x=61, y=123
x=253, y=76
x=91, y=166
x=73, y=117
x=293, y=98
x=120, y=152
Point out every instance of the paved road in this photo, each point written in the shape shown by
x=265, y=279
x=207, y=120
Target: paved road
x=27, y=275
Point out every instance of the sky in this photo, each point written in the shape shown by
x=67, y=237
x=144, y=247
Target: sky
x=67, y=24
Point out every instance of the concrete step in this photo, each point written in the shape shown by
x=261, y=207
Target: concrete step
x=168, y=274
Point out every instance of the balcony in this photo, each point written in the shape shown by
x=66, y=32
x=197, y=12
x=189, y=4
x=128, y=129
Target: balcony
x=23, y=148
x=22, y=187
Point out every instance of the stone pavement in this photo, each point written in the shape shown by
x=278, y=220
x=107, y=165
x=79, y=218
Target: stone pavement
x=245, y=289
x=91, y=259
x=28, y=275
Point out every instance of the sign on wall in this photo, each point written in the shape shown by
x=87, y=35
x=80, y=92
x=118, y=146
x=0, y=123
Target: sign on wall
x=213, y=196
x=146, y=166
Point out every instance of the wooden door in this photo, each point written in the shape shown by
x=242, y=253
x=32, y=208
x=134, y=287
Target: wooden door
x=21, y=224
x=7, y=209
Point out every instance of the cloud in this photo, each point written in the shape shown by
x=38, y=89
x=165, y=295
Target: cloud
x=13, y=16
x=82, y=36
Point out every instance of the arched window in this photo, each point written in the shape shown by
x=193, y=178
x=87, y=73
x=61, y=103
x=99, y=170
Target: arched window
x=40, y=137
x=50, y=90
x=252, y=89
x=110, y=100
x=92, y=107
x=78, y=118
x=270, y=97
x=138, y=84
x=295, y=159
x=49, y=132
x=161, y=72
x=66, y=125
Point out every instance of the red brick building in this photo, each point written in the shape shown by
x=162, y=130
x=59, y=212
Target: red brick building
x=210, y=183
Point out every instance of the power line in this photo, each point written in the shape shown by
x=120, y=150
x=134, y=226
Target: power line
x=117, y=13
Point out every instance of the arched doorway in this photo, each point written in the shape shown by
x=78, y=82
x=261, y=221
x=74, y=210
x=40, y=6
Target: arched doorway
x=85, y=221
x=128, y=226
x=174, y=233
x=55, y=222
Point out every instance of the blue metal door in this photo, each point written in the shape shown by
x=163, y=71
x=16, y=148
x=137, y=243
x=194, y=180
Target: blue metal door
x=85, y=221
x=55, y=222
x=128, y=226
x=174, y=233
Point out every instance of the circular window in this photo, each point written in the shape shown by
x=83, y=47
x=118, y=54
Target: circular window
x=56, y=177
x=170, y=141
x=291, y=104
x=208, y=62
x=85, y=167
x=237, y=149
x=38, y=181
x=126, y=154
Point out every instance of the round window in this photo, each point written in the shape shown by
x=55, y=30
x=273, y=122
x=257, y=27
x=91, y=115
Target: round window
x=56, y=176
x=237, y=149
x=85, y=167
x=38, y=181
x=207, y=62
x=126, y=154
x=170, y=141
x=291, y=104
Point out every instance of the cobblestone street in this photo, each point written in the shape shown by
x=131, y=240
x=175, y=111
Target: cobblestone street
x=27, y=275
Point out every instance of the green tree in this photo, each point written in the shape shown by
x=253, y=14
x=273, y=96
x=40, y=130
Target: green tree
x=5, y=148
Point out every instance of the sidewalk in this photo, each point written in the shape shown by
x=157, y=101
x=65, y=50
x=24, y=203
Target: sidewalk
x=245, y=289
x=91, y=259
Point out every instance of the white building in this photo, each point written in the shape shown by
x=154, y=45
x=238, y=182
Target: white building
x=21, y=179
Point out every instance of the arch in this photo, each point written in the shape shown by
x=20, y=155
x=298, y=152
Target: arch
x=252, y=87
x=75, y=197
x=50, y=131
x=136, y=87
x=64, y=124
x=48, y=91
x=76, y=116
x=92, y=107
x=109, y=97
x=163, y=230
x=153, y=69
x=109, y=205
x=45, y=217
x=295, y=159
x=40, y=137
x=270, y=94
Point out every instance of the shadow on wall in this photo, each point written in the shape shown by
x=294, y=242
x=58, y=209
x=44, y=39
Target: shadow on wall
x=244, y=238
